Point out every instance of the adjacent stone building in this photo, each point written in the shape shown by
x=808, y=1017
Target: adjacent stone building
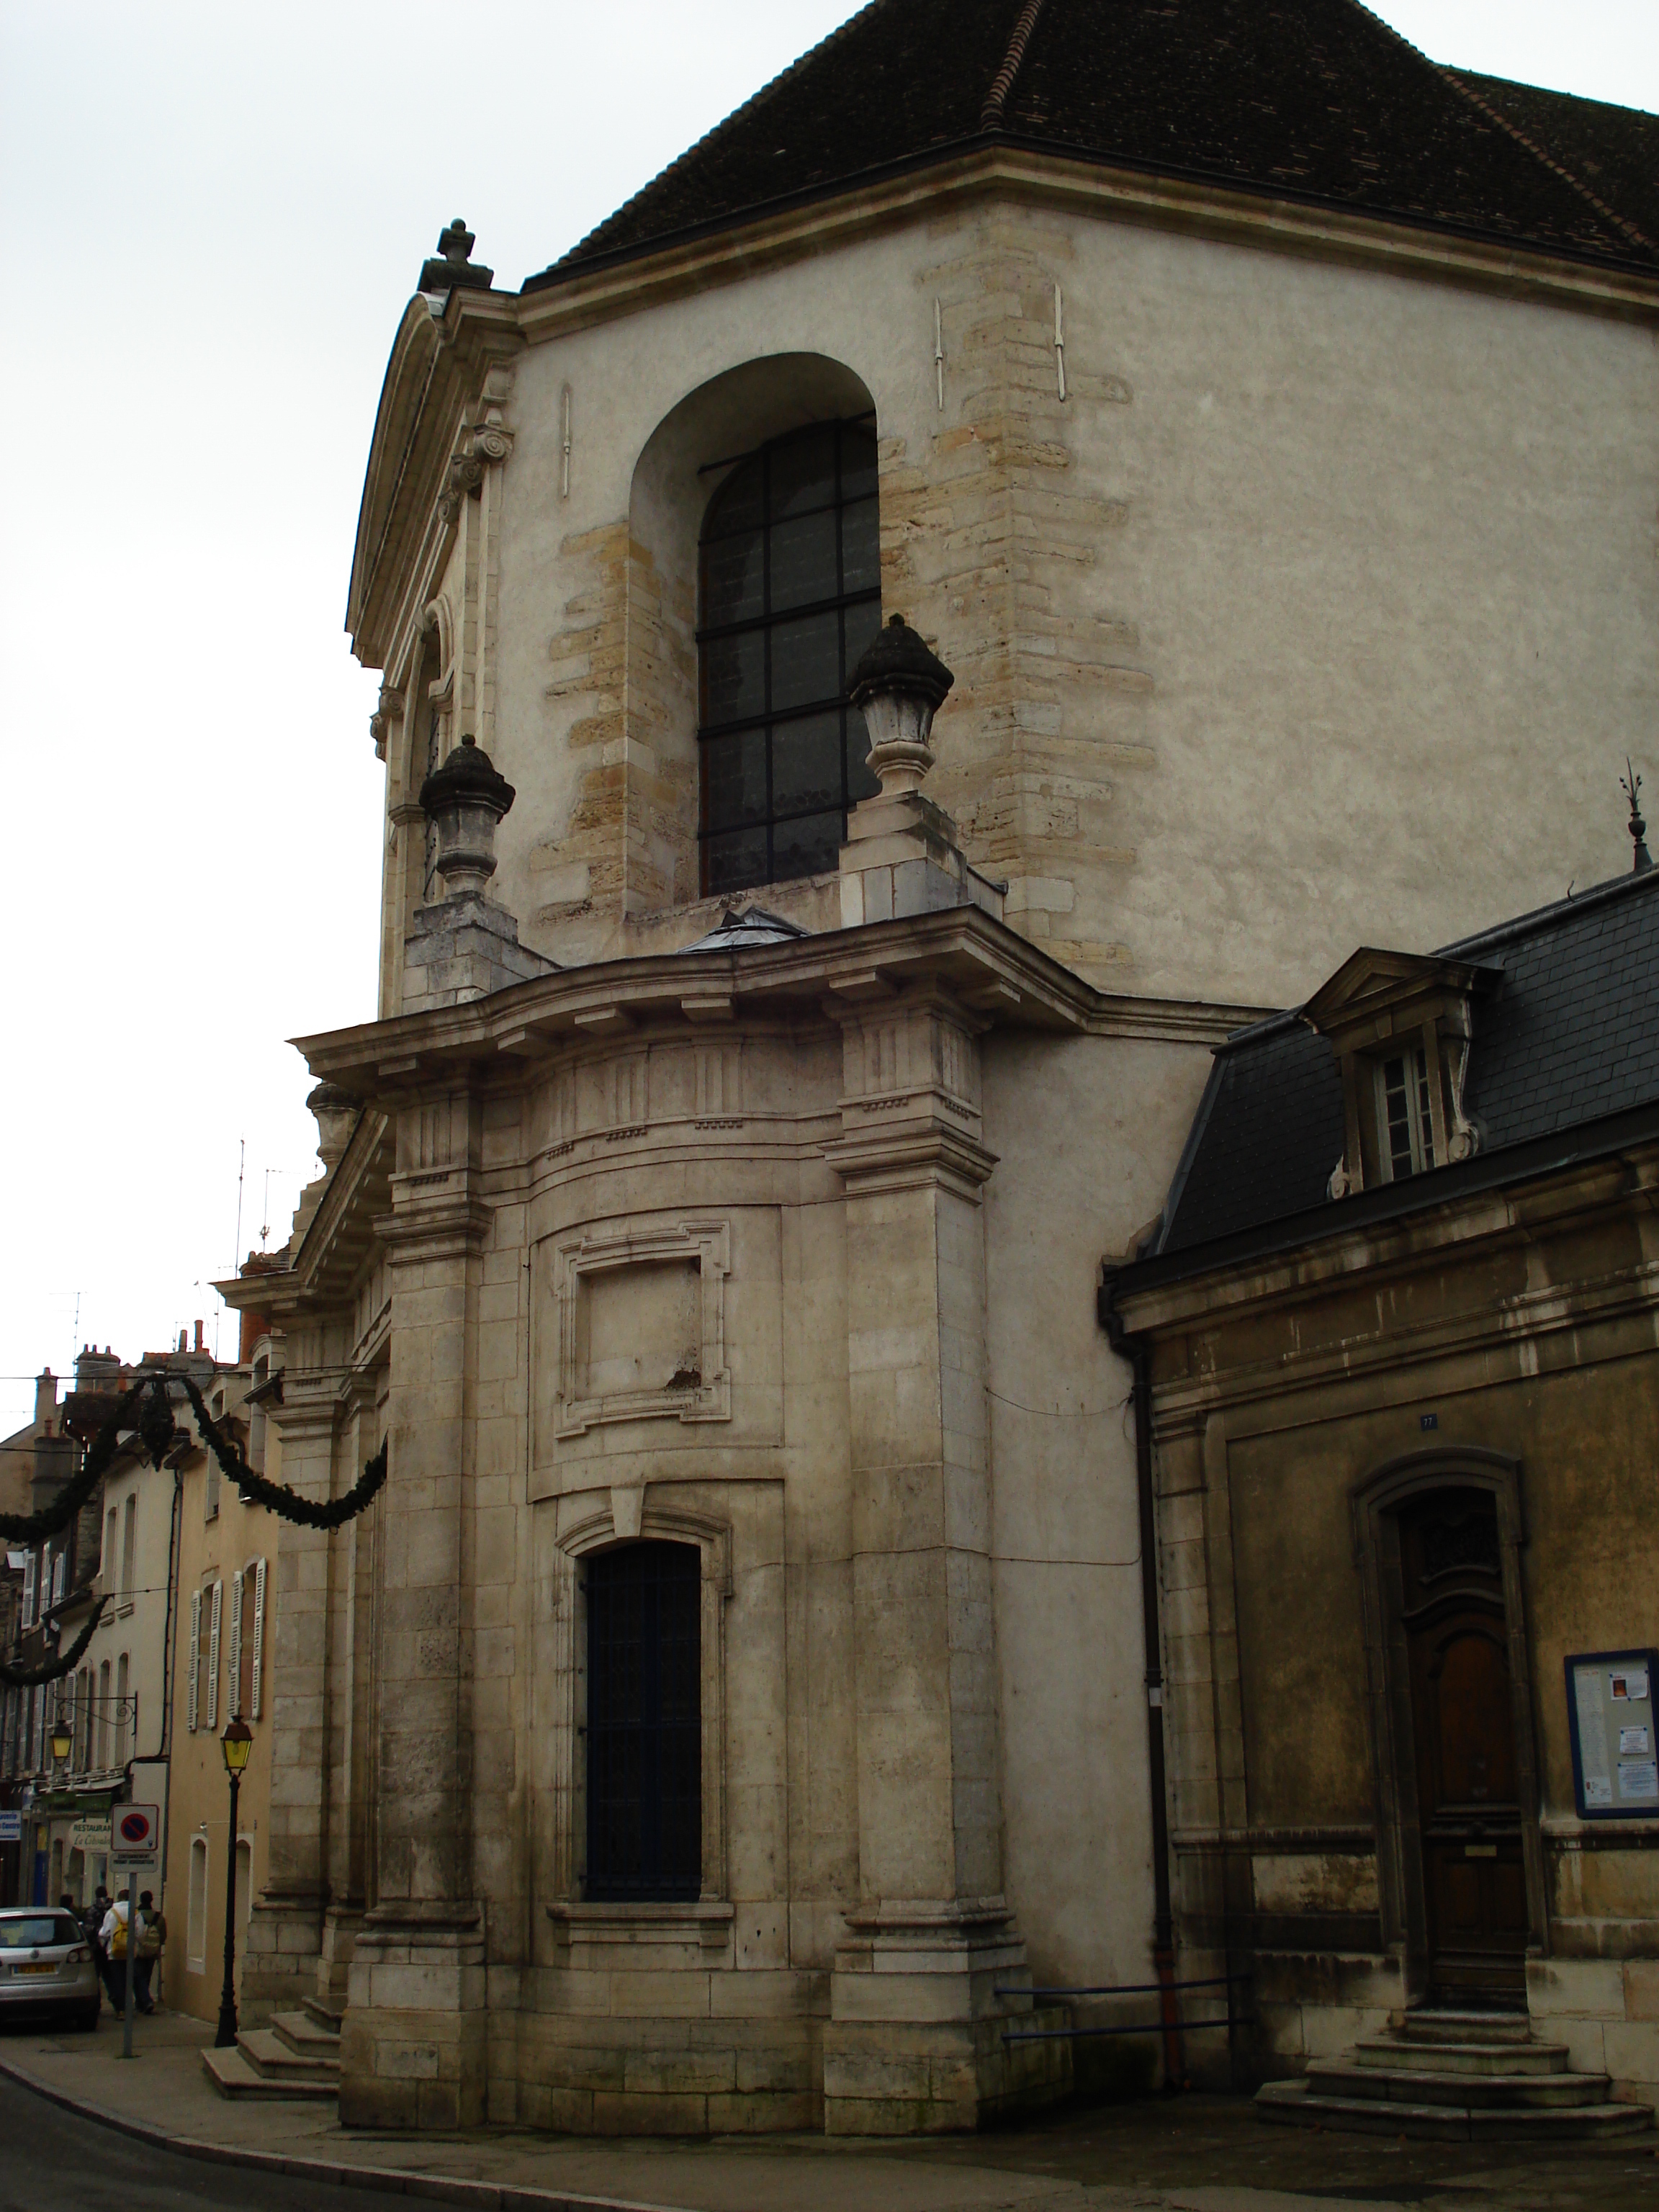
x=1400, y=1324
x=739, y=1692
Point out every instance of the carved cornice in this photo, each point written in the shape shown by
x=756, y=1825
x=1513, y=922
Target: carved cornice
x=905, y=1155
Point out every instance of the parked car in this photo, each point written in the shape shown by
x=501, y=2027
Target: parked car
x=46, y=1966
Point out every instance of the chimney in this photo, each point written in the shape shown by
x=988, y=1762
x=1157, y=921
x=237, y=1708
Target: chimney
x=45, y=1398
x=200, y=1346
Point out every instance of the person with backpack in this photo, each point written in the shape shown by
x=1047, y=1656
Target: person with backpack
x=114, y=1933
x=152, y=1934
x=92, y=1923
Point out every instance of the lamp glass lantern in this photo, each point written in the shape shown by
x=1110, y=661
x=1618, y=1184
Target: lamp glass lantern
x=236, y=1744
x=62, y=1742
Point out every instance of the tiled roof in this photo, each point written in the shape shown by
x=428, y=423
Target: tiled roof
x=1569, y=1036
x=1310, y=100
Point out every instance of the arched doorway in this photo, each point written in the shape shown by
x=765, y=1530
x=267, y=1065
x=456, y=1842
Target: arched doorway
x=1460, y=1857
x=1468, y=1810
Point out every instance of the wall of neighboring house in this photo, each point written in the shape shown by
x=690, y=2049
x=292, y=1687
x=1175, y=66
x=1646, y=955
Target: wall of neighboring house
x=226, y=1590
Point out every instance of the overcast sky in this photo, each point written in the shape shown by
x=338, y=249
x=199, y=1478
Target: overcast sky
x=213, y=218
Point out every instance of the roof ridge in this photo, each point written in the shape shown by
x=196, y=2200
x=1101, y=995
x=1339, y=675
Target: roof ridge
x=763, y=92
x=996, y=98
x=1525, y=924
x=1449, y=77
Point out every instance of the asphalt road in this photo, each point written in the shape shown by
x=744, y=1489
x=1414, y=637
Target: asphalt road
x=51, y=2161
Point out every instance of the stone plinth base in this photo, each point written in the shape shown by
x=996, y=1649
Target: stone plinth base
x=660, y=2073
x=901, y=858
x=413, y=2042
x=461, y=949
x=922, y=1999
x=341, y=1923
x=279, y=1956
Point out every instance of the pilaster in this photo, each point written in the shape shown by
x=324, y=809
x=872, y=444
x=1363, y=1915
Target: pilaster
x=919, y=1996
x=412, y=2053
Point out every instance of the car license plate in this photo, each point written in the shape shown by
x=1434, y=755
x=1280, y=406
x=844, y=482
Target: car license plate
x=44, y=1967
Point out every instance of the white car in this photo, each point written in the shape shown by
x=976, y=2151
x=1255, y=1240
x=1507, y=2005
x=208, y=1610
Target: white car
x=46, y=1966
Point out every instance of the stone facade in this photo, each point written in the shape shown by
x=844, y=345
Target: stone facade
x=785, y=1250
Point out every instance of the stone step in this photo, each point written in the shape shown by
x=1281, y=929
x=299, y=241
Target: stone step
x=325, y=2016
x=304, y=2035
x=233, y=2076
x=1294, y=2104
x=1439, y=2024
x=1411, y=2086
x=1425, y=2055
x=277, y=2061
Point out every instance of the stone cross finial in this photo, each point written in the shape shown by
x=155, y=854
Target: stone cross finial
x=1631, y=784
x=451, y=270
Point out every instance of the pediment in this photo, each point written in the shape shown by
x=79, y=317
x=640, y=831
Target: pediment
x=408, y=375
x=1376, y=981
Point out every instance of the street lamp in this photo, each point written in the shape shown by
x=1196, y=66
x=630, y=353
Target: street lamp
x=235, y=1743
x=62, y=1743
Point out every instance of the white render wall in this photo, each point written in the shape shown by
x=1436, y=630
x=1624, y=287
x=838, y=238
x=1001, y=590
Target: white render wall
x=1326, y=610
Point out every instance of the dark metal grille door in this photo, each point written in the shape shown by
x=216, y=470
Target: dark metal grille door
x=644, y=1723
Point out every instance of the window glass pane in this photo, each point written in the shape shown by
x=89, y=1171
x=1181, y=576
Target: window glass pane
x=740, y=502
x=732, y=580
x=805, y=661
x=735, y=861
x=858, y=461
x=803, y=472
x=803, y=560
x=1397, y=1116
x=810, y=846
x=734, y=786
x=861, y=547
x=862, y=622
x=734, y=676
x=807, y=764
x=644, y=1728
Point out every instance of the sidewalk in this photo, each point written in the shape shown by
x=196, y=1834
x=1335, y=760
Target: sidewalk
x=1188, y=2155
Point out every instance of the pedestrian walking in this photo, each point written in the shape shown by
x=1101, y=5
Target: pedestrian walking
x=152, y=1934
x=92, y=1923
x=116, y=1947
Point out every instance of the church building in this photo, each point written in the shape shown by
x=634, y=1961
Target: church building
x=997, y=568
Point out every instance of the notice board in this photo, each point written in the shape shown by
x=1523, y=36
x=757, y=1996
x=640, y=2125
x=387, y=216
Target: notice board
x=1615, y=1758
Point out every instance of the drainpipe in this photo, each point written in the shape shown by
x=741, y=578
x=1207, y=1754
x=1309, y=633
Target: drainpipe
x=1134, y=1350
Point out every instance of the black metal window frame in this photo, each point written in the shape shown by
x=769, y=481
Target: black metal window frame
x=644, y=1725
x=769, y=617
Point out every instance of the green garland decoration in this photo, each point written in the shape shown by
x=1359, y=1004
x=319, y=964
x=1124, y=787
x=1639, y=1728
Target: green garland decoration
x=276, y=1497
x=50, y=1520
x=30, y=1678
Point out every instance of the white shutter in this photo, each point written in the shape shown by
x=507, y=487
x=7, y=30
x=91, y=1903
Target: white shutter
x=213, y=1655
x=234, y=1672
x=58, y=1566
x=70, y=1681
x=29, y=1571
x=195, y=1694
x=259, y=1636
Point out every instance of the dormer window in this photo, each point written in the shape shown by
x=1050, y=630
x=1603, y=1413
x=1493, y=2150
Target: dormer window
x=1400, y=1026
x=1405, y=1115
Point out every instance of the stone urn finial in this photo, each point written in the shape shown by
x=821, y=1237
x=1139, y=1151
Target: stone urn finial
x=336, y=1110
x=463, y=799
x=898, y=687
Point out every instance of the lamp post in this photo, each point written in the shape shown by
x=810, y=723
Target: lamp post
x=235, y=1743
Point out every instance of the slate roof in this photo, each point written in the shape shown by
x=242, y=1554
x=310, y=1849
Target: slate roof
x=1316, y=100
x=1570, y=1037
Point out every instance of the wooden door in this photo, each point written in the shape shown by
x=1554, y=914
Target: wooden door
x=1469, y=1808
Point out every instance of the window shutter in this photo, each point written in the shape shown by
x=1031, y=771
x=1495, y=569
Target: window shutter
x=59, y=1567
x=259, y=1636
x=30, y=1569
x=213, y=1656
x=70, y=1681
x=234, y=1672
x=195, y=1691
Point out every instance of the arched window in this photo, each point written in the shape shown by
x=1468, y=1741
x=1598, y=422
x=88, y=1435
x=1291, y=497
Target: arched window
x=645, y=1721
x=790, y=597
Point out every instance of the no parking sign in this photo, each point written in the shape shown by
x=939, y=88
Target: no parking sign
x=135, y=1834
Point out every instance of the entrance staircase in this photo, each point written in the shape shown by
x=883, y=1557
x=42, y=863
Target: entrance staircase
x=1453, y=2076
x=297, y=2056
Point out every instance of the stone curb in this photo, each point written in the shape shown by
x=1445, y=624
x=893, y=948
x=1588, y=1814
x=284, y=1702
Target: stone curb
x=508, y=2197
